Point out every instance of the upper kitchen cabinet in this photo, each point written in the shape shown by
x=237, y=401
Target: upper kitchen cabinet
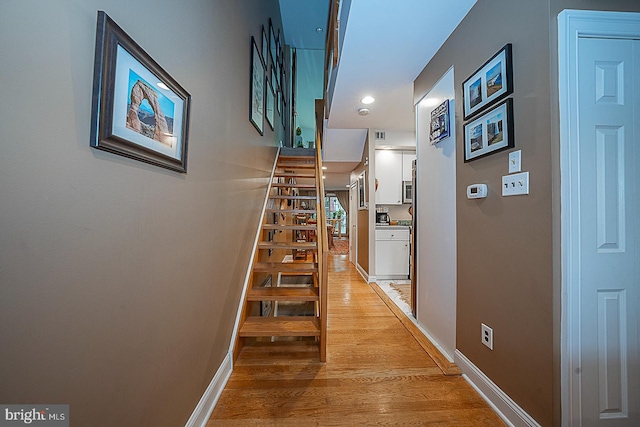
x=388, y=177
x=392, y=167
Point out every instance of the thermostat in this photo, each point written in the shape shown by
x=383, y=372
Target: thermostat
x=477, y=191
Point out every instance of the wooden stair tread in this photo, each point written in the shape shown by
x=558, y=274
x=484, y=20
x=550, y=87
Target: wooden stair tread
x=274, y=267
x=288, y=245
x=284, y=293
x=294, y=175
x=306, y=154
x=294, y=185
x=292, y=197
x=296, y=165
x=296, y=211
x=283, y=326
x=289, y=227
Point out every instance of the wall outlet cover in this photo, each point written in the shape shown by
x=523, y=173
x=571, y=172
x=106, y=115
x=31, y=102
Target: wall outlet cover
x=515, y=161
x=487, y=336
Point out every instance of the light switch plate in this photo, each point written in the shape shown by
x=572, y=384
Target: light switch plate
x=515, y=161
x=516, y=184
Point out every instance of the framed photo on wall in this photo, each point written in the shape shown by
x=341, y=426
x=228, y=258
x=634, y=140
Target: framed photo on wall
x=256, y=112
x=489, y=84
x=271, y=106
x=138, y=110
x=362, y=191
x=439, y=127
x=272, y=42
x=489, y=133
x=265, y=45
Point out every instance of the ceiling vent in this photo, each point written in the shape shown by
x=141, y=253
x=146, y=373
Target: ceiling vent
x=381, y=135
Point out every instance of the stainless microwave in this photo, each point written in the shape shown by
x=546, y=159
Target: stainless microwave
x=407, y=192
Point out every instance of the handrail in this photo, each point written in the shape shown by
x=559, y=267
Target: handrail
x=323, y=242
x=331, y=45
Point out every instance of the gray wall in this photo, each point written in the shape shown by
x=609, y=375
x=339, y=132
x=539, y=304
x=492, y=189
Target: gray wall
x=120, y=281
x=508, y=248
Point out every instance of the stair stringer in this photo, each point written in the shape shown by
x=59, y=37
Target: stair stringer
x=248, y=275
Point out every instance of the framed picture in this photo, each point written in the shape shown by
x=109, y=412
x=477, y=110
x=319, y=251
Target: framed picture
x=489, y=84
x=271, y=106
x=439, y=128
x=285, y=83
x=284, y=114
x=256, y=113
x=362, y=191
x=279, y=102
x=272, y=42
x=265, y=45
x=138, y=110
x=489, y=133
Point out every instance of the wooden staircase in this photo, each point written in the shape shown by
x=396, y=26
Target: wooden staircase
x=286, y=292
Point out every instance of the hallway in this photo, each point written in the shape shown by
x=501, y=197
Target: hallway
x=375, y=374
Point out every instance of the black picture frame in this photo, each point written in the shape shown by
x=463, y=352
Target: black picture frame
x=270, y=106
x=363, y=200
x=489, y=84
x=256, y=85
x=265, y=45
x=124, y=77
x=490, y=133
x=272, y=42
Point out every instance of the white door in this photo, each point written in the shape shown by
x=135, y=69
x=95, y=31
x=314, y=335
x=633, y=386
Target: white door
x=607, y=162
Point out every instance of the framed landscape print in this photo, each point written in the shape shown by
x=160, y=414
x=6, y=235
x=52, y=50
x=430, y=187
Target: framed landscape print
x=489, y=133
x=138, y=110
x=489, y=84
x=256, y=112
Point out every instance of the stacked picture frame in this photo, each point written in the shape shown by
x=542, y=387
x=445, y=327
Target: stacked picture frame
x=488, y=113
x=268, y=79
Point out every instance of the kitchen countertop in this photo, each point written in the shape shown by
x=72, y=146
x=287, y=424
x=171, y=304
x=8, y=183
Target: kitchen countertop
x=396, y=227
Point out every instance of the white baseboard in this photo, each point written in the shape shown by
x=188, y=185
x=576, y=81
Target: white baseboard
x=208, y=401
x=363, y=273
x=505, y=407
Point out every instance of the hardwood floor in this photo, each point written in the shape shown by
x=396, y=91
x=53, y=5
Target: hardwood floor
x=375, y=373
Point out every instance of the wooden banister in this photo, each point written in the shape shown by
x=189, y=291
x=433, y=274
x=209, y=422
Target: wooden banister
x=323, y=241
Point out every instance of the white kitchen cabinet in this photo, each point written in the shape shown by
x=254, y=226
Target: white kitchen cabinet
x=389, y=177
x=407, y=159
x=392, y=253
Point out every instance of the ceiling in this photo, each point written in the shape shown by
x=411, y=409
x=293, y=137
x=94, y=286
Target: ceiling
x=385, y=46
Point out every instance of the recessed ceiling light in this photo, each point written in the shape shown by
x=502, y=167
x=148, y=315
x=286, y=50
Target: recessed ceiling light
x=162, y=86
x=363, y=111
x=324, y=177
x=367, y=99
x=324, y=168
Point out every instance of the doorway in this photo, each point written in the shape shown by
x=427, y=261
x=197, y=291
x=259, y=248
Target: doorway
x=600, y=128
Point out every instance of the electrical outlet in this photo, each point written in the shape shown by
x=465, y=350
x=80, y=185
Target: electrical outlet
x=487, y=336
x=516, y=184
